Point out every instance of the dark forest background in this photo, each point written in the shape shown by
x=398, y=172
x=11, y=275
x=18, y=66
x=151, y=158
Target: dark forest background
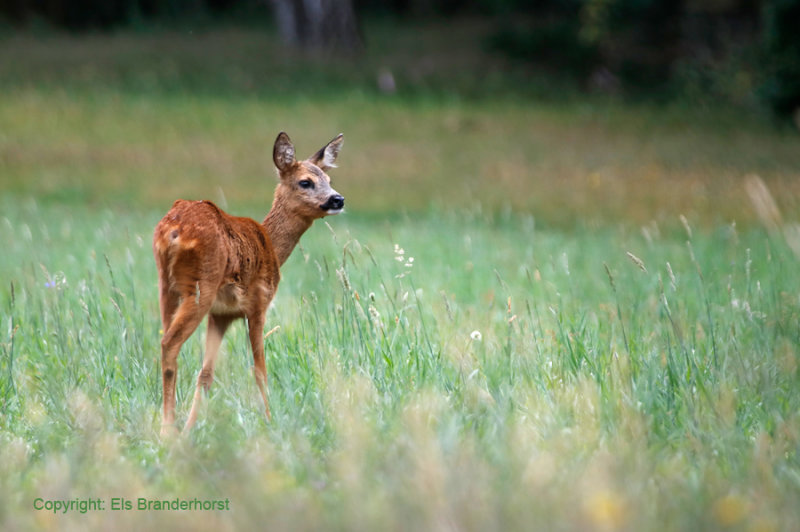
x=743, y=52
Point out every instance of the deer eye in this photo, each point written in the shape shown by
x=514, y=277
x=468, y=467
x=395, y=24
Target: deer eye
x=305, y=183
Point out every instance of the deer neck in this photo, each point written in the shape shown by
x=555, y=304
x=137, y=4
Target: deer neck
x=284, y=229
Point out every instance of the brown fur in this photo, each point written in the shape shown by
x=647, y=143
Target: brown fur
x=228, y=267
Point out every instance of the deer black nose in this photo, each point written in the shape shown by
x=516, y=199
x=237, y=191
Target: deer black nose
x=334, y=203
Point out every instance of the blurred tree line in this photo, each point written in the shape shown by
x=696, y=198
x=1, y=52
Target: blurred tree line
x=727, y=49
x=734, y=50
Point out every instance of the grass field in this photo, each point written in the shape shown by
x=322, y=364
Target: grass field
x=599, y=329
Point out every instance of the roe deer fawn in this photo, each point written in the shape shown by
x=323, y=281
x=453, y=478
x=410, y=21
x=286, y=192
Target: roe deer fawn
x=228, y=267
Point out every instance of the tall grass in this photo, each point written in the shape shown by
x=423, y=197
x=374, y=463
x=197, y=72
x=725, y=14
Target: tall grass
x=485, y=384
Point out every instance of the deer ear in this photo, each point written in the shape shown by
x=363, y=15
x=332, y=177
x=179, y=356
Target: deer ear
x=283, y=152
x=326, y=156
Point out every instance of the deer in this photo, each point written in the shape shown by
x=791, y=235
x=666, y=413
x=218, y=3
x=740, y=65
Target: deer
x=227, y=267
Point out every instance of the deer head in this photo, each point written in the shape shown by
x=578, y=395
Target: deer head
x=305, y=187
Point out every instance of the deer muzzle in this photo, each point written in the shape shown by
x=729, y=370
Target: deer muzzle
x=333, y=205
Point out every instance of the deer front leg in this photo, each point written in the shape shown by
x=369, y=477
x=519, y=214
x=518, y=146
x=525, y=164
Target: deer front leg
x=217, y=325
x=256, y=330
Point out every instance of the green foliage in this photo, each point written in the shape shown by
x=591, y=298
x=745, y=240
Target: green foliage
x=742, y=53
x=782, y=57
x=636, y=41
x=93, y=15
x=554, y=45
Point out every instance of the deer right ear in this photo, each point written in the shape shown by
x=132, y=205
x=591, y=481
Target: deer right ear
x=283, y=152
x=325, y=158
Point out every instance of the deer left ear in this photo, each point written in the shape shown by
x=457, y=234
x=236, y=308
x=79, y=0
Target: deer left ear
x=326, y=156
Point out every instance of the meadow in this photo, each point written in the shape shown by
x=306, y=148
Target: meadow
x=534, y=314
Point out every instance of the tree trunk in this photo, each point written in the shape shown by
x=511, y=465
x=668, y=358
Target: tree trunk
x=318, y=24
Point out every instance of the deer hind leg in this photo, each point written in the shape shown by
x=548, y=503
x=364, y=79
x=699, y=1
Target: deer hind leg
x=217, y=325
x=255, y=324
x=167, y=299
x=187, y=317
